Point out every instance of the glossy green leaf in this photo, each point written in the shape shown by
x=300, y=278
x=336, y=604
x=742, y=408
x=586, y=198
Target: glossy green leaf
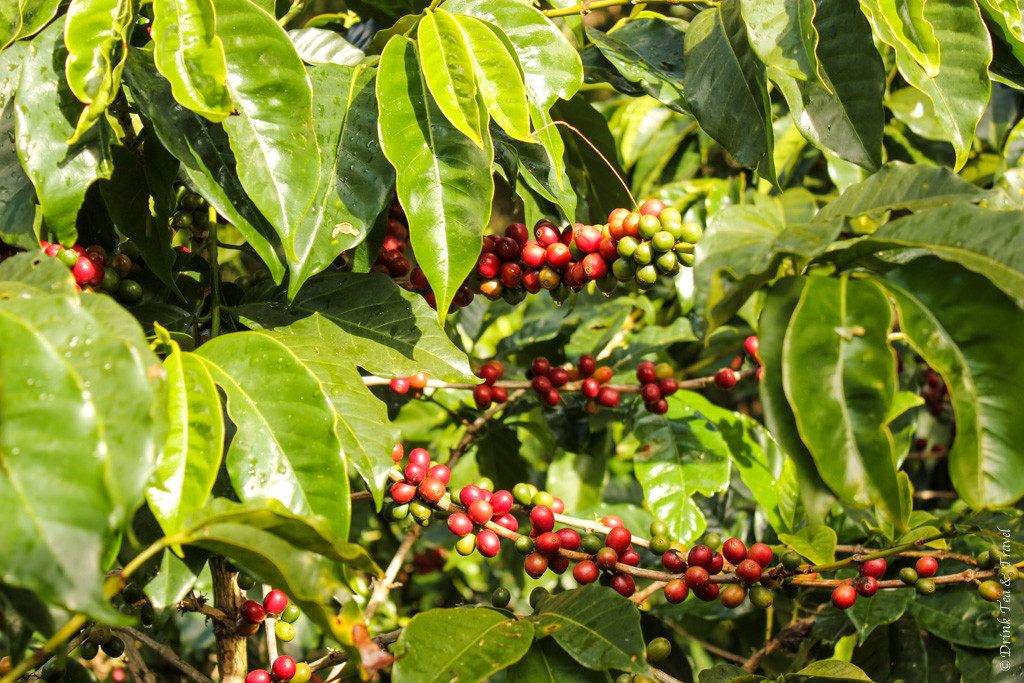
x=907, y=27
x=773, y=323
x=841, y=400
x=17, y=195
x=758, y=459
x=912, y=107
x=846, y=118
x=355, y=176
x=886, y=607
x=375, y=323
x=834, y=670
x=546, y=662
x=818, y=546
x=648, y=51
x=498, y=76
x=726, y=87
x=285, y=447
x=783, y=35
x=45, y=109
x=599, y=628
x=28, y=18
x=446, y=66
x=205, y=154
x=444, y=179
x=728, y=673
x=274, y=135
x=541, y=167
x=551, y=66
x=320, y=46
x=685, y=454
x=743, y=248
x=176, y=577
x=96, y=33
x=957, y=341
x=477, y=643
x=80, y=413
x=896, y=651
x=1004, y=20
x=10, y=22
x=959, y=617
x=188, y=466
x=190, y=55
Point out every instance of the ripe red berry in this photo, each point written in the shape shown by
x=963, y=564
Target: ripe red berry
x=874, y=568
x=659, y=407
x=568, y=538
x=511, y=275
x=595, y=266
x=608, y=397
x=761, y=553
x=252, y=612
x=668, y=386
x=552, y=398
x=546, y=234
x=284, y=668
x=650, y=393
x=84, y=270
x=699, y=556
x=844, y=596
x=752, y=346
x=507, y=249
x=540, y=366
x=748, y=571
x=274, y=602
x=673, y=561
x=676, y=591
x=542, y=518
x=258, y=676
x=470, y=493
x=519, y=232
x=612, y=521
x=499, y=394
x=501, y=502
x=585, y=572
x=590, y=387
x=398, y=452
x=548, y=543
x=432, y=489
x=558, y=256
x=646, y=373
x=488, y=373
x=419, y=456
x=725, y=378
x=558, y=564
x=414, y=474
x=926, y=567
x=508, y=521
x=606, y=558
x=652, y=207
x=697, y=577
x=867, y=586
x=488, y=265
x=558, y=506
x=586, y=365
x=534, y=254
x=558, y=377
x=630, y=557
x=734, y=550
x=733, y=596
x=482, y=396
x=440, y=472
x=541, y=384
x=618, y=539
x=480, y=511
x=623, y=584
x=717, y=562
x=460, y=524
x=535, y=565
x=402, y=492
x=400, y=385
x=708, y=593
x=488, y=543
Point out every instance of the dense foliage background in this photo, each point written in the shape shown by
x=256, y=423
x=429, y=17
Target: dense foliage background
x=284, y=207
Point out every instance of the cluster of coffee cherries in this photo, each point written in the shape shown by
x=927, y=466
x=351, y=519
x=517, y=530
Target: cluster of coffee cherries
x=284, y=669
x=415, y=383
x=934, y=392
x=276, y=607
x=392, y=259
x=192, y=212
x=96, y=270
x=423, y=483
x=656, y=385
x=652, y=242
x=486, y=393
x=726, y=378
x=547, y=381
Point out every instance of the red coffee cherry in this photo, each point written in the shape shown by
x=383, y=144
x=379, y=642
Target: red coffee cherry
x=630, y=557
x=552, y=398
x=460, y=524
x=441, y=473
x=708, y=593
x=676, y=591
x=748, y=571
x=284, y=668
x=612, y=521
x=488, y=265
x=650, y=393
x=541, y=384
x=668, y=386
x=585, y=572
x=480, y=511
x=646, y=372
x=252, y=612
x=488, y=543
x=761, y=553
x=586, y=365
x=608, y=397
x=699, y=556
x=548, y=543
x=519, y=232
x=558, y=377
x=752, y=346
x=659, y=407
x=926, y=567
x=606, y=558
x=618, y=539
x=545, y=233
x=402, y=492
x=400, y=385
x=275, y=602
x=867, y=586
x=590, y=387
x=535, y=565
x=623, y=584
x=470, y=493
x=258, y=676
x=558, y=564
x=418, y=381
x=534, y=254
x=558, y=256
x=673, y=561
x=414, y=474
x=717, y=562
x=488, y=373
x=558, y=506
x=432, y=489
x=874, y=568
x=568, y=538
x=542, y=519
x=482, y=396
x=733, y=596
x=725, y=378
x=499, y=394
x=398, y=452
x=697, y=577
x=844, y=596
x=734, y=550
x=501, y=502
x=419, y=457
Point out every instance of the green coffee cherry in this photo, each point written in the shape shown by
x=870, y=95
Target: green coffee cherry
x=627, y=246
x=501, y=597
x=536, y=595
x=543, y=498
x=466, y=544
x=691, y=232
x=658, y=650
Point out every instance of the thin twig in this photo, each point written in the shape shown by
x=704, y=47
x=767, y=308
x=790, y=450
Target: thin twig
x=136, y=665
x=383, y=586
x=478, y=424
x=335, y=657
x=796, y=626
x=193, y=604
x=724, y=654
x=664, y=677
x=269, y=625
x=165, y=652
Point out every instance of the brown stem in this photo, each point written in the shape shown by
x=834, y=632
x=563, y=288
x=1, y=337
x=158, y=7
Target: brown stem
x=797, y=627
x=664, y=677
x=383, y=586
x=937, y=554
x=478, y=424
x=516, y=384
x=137, y=667
x=360, y=496
x=192, y=604
x=231, y=647
x=335, y=657
x=165, y=652
x=590, y=526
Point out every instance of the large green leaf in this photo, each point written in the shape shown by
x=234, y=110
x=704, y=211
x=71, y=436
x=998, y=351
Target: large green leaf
x=783, y=35
x=17, y=206
x=867, y=615
x=541, y=167
x=188, y=466
x=726, y=87
x=818, y=546
x=96, y=33
x=1004, y=20
x=648, y=51
x=79, y=428
x=175, y=577
x=25, y=18
x=958, y=617
x=205, y=154
x=355, y=177
x=847, y=117
x=46, y=110
x=190, y=55
x=759, y=460
x=446, y=66
x=372, y=321
x=894, y=652
x=498, y=76
x=907, y=27
x=285, y=447
x=902, y=186
x=273, y=132
x=444, y=179
x=958, y=342
x=841, y=400
x=834, y=670
x=743, y=248
x=597, y=626
x=685, y=453
x=321, y=46
x=546, y=662
x=477, y=643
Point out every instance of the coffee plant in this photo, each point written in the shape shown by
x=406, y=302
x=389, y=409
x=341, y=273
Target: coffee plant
x=499, y=340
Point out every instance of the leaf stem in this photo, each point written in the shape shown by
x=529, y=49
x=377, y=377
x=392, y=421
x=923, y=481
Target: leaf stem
x=215, y=302
x=292, y=12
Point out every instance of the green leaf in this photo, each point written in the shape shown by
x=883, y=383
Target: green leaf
x=205, y=155
x=541, y=167
x=320, y=46
x=726, y=87
x=685, y=454
x=96, y=33
x=960, y=90
x=546, y=662
x=1003, y=18
x=444, y=179
x=901, y=186
x=599, y=628
x=743, y=248
x=905, y=25
x=355, y=176
x=30, y=17
x=886, y=607
x=477, y=643
x=895, y=652
x=834, y=670
x=285, y=446
x=979, y=370
x=80, y=412
x=728, y=673
x=17, y=195
x=648, y=51
x=446, y=66
x=773, y=324
x=847, y=117
x=783, y=35
x=190, y=55
x=188, y=466
x=45, y=109
x=272, y=133
x=758, y=459
x=841, y=400
x=371, y=320
x=498, y=76
x=819, y=547
x=959, y=617
x=175, y=577
x=551, y=66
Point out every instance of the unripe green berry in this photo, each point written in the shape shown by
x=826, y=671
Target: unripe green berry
x=536, y=595
x=291, y=613
x=524, y=545
x=658, y=650
x=663, y=241
x=501, y=597
x=245, y=581
x=100, y=633
x=420, y=511
x=924, y=586
x=627, y=246
x=623, y=270
x=485, y=483
x=524, y=493
x=660, y=545
x=659, y=528
x=543, y=498
x=991, y=591
x=1008, y=572
x=647, y=275
x=284, y=631
x=644, y=254
x=466, y=544
x=114, y=647
x=591, y=543
x=761, y=597
x=712, y=540
x=648, y=226
x=791, y=560
x=691, y=232
x=908, y=575
x=88, y=650
x=985, y=560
